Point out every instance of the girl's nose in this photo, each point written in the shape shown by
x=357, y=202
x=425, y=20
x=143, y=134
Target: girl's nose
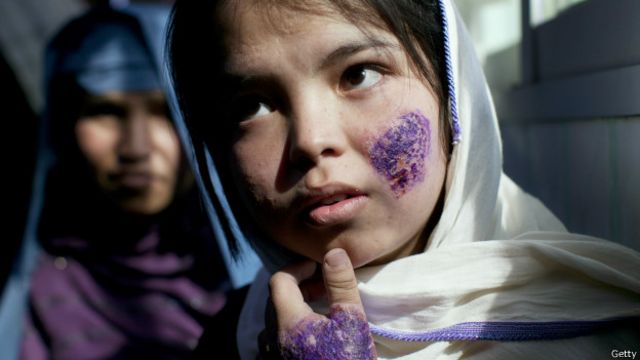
x=315, y=132
x=135, y=144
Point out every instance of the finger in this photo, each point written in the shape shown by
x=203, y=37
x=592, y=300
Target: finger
x=286, y=295
x=340, y=279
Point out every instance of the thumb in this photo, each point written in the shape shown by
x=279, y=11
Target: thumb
x=340, y=279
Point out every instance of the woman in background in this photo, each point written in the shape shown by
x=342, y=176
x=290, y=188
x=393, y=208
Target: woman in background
x=128, y=267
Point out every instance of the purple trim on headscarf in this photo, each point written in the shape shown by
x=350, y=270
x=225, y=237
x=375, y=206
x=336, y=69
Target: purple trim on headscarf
x=501, y=331
x=455, y=123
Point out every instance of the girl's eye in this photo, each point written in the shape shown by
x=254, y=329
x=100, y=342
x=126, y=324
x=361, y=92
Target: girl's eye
x=360, y=77
x=250, y=107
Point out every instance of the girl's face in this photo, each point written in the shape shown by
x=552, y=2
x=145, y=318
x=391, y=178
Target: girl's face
x=132, y=149
x=338, y=138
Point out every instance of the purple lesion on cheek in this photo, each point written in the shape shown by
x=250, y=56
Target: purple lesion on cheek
x=399, y=155
x=343, y=335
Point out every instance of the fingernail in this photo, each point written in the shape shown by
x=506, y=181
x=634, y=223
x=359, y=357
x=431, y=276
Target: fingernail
x=336, y=258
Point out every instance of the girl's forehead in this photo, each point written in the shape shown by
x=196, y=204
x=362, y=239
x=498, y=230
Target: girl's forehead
x=315, y=46
x=283, y=9
x=286, y=17
x=251, y=35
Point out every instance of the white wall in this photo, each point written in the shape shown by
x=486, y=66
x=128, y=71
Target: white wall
x=570, y=137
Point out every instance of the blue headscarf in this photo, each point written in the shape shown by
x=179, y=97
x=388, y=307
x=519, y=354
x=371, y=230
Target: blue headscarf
x=111, y=58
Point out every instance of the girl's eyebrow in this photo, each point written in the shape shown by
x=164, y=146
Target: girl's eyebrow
x=346, y=50
x=340, y=53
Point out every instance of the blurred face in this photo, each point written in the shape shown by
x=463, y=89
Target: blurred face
x=338, y=138
x=132, y=149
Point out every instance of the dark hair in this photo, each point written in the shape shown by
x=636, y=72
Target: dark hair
x=195, y=67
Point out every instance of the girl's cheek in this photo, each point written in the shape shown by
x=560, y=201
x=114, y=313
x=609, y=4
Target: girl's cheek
x=400, y=153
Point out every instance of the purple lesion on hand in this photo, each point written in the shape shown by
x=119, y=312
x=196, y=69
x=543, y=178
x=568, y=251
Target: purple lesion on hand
x=343, y=334
x=399, y=154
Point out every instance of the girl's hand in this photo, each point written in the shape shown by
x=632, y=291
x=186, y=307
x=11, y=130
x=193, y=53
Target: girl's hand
x=294, y=331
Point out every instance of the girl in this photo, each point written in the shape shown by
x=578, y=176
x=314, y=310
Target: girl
x=361, y=135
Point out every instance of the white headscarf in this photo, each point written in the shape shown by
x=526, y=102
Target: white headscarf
x=498, y=269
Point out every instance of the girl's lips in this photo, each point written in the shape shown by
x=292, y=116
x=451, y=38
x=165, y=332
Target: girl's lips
x=336, y=213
